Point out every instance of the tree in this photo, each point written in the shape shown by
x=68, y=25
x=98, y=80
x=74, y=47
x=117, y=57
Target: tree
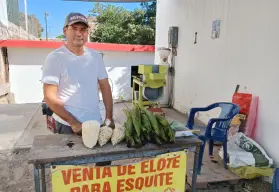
x=118, y=25
x=150, y=12
x=61, y=37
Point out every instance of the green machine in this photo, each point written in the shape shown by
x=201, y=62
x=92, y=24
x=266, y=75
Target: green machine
x=151, y=82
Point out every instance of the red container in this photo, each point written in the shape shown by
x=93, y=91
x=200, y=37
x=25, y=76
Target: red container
x=244, y=102
x=51, y=124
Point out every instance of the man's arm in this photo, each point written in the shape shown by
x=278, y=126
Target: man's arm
x=107, y=97
x=57, y=107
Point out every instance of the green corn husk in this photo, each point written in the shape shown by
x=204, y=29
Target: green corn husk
x=162, y=120
x=130, y=142
x=146, y=123
x=128, y=124
x=162, y=135
x=136, y=116
x=146, y=136
x=153, y=121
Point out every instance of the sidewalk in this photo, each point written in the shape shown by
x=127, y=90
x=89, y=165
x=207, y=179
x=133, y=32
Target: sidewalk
x=14, y=119
x=37, y=126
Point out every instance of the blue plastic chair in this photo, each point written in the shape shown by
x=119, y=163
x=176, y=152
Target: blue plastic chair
x=216, y=129
x=275, y=182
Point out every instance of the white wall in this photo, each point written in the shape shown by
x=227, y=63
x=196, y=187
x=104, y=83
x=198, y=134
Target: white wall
x=26, y=63
x=246, y=53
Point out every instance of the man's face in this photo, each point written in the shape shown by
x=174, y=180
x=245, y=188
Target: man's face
x=76, y=34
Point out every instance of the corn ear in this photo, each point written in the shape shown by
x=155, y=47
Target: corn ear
x=162, y=120
x=153, y=121
x=146, y=123
x=128, y=125
x=136, y=116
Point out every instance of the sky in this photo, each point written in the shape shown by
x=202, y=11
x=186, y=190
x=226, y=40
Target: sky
x=58, y=10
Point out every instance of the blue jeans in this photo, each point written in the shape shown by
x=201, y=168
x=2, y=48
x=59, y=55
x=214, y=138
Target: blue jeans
x=63, y=129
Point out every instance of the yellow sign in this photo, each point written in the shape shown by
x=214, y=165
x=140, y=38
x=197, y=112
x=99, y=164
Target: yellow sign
x=165, y=173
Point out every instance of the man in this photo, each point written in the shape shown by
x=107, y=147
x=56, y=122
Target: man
x=71, y=75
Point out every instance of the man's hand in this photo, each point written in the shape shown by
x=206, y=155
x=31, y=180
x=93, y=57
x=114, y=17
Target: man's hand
x=109, y=123
x=76, y=126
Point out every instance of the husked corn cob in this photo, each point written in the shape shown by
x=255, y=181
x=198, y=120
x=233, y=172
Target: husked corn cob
x=90, y=132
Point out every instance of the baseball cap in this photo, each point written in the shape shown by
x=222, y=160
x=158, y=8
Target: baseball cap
x=75, y=18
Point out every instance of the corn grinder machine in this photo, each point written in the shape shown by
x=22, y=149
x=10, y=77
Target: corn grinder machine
x=151, y=80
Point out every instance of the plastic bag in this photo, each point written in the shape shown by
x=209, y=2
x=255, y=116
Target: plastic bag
x=118, y=134
x=249, y=172
x=104, y=135
x=243, y=151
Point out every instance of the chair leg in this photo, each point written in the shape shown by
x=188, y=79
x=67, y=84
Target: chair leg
x=201, y=157
x=225, y=153
x=210, y=146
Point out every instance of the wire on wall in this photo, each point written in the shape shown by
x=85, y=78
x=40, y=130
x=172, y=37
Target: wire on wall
x=171, y=77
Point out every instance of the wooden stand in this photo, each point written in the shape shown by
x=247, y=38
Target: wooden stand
x=66, y=149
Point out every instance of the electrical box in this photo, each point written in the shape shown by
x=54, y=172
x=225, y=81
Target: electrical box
x=173, y=37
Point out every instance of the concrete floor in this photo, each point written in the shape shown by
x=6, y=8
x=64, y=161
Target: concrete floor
x=37, y=126
x=14, y=119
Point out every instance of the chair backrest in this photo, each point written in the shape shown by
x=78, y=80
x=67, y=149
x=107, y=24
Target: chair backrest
x=228, y=110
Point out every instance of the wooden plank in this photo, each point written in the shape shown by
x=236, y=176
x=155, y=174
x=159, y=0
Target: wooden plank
x=212, y=171
x=51, y=148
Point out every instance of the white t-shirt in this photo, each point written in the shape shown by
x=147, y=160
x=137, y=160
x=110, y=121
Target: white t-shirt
x=77, y=79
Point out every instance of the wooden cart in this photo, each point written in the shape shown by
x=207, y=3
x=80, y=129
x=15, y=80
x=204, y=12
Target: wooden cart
x=51, y=150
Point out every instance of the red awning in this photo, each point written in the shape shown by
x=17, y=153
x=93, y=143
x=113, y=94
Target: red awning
x=96, y=46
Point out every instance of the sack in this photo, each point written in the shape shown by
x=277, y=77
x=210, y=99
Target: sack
x=105, y=134
x=243, y=151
